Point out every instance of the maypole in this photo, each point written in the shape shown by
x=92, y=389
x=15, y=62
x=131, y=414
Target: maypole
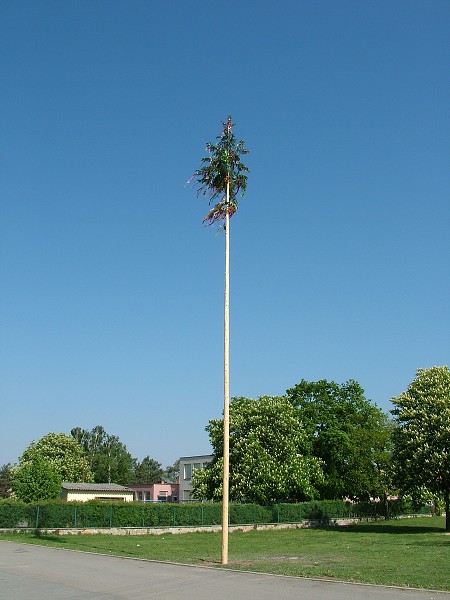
x=226, y=389
x=222, y=176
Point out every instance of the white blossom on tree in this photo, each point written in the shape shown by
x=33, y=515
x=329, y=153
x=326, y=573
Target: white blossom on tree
x=269, y=454
x=422, y=435
x=62, y=453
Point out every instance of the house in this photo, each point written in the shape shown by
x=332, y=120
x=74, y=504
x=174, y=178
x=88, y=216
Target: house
x=155, y=492
x=83, y=492
x=188, y=464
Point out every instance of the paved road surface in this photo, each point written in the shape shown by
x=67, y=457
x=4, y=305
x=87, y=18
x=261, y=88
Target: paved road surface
x=41, y=573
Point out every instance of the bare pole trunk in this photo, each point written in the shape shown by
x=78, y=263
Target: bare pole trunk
x=447, y=509
x=226, y=389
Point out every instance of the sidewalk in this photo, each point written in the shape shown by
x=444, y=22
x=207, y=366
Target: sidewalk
x=28, y=571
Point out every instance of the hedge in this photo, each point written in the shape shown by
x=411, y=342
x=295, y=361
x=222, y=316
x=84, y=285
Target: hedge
x=61, y=515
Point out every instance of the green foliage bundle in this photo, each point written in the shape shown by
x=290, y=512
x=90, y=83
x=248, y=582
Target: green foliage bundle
x=220, y=170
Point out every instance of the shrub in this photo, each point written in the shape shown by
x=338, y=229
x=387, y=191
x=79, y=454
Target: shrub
x=95, y=514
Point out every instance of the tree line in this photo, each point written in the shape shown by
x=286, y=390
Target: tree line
x=321, y=440
x=83, y=456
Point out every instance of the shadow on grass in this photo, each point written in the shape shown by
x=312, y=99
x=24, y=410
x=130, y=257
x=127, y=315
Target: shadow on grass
x=441, y=542
x=387, y=527
x=47, y=537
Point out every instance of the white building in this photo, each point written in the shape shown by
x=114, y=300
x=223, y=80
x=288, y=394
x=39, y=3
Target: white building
x=83, y=492
x=188, y=464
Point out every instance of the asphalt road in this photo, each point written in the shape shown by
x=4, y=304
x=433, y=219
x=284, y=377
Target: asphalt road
x=42, y=573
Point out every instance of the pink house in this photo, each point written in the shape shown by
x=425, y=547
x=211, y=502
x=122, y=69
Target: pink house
x=155, y=492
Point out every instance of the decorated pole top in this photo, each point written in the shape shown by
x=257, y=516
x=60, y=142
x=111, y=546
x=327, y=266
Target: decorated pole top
x=222, y=174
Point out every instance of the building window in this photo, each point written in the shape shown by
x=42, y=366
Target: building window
x=147, y=497
x=197, y=466
x=139, y=496
x=162, y=496
x=188, y=471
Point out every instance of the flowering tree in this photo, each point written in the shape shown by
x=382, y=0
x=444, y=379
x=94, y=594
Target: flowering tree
x=222, y=176
x=422, y=435
x=62, y=453
x=270, y=454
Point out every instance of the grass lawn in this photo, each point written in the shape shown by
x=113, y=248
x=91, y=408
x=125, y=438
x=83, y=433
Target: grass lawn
x=408, y=552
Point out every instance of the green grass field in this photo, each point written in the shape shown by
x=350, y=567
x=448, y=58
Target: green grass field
x=408, y=552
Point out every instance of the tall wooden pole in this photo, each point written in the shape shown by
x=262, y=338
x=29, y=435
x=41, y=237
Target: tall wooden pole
x=226, y=389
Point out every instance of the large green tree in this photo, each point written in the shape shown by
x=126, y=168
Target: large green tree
x=108, y=457
x=148, y=471
x=422, y=435
x=349, y=434
x=54, y=458
x=5, y=480
x=172, y=472
x=36, y=480
x=269, y=454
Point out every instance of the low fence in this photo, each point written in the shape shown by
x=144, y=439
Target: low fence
x=15, y=515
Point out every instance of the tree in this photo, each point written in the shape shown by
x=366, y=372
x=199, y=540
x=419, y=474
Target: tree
x=148, y=471
x=172, y=472
x=221, y=176
x=269, y=454
x=5, y=480
x=91, y=441
x=36, y=480
x=108, y=457
x=422, y=435
x=62, y=453
x=349, y=434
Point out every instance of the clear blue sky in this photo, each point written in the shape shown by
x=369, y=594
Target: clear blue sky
x=112, y=290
